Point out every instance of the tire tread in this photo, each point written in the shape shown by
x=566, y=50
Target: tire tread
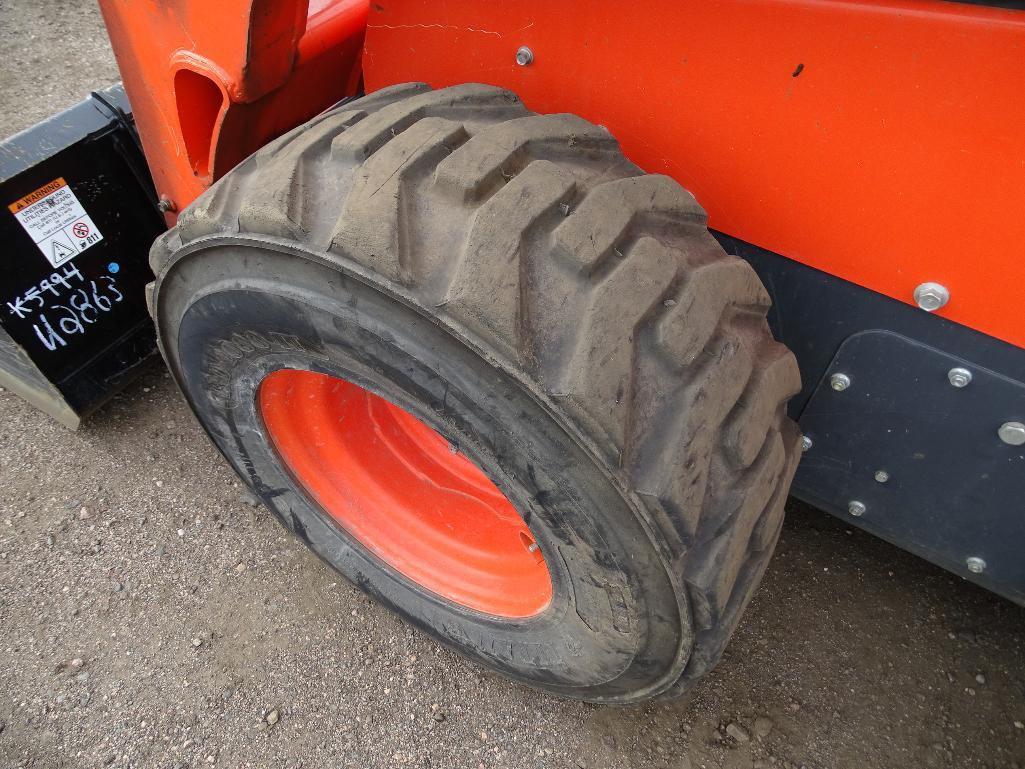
x=599, y=282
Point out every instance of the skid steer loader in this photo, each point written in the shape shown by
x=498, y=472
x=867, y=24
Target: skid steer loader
x=527, y=317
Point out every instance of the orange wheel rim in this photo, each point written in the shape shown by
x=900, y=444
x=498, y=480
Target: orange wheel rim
x=406, y=494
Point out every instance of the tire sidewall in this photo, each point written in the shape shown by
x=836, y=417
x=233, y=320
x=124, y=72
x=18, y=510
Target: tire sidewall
x=614, y=630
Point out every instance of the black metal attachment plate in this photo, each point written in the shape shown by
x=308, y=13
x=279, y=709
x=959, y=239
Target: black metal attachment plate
x=953, y=490
x=77, y=217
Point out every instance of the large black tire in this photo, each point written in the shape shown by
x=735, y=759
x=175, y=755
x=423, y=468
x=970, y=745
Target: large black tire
x=516, y=283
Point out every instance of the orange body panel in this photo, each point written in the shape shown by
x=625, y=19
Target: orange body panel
x=881, y=142
x=211, y=82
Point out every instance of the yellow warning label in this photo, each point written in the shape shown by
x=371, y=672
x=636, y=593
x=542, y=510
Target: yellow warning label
x=35, y=197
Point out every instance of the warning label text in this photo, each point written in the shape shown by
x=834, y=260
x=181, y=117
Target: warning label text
x=55, y=220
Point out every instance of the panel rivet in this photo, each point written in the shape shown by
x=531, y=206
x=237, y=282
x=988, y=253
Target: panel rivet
x=839, y=382
x=931, y=296
x=1012, y=433
x=524, y=56
x=806, y=443
x=975, y=564
x=856, y=508
x=882, y=476
x=959, y=377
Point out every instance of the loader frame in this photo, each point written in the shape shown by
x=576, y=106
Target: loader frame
x=853, y=151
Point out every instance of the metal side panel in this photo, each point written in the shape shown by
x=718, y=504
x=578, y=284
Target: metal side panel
x=903, y=452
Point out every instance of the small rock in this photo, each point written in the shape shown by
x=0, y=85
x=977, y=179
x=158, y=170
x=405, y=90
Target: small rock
x=980, y=679
x=82, y=677
x=160, y=484
x=118, y=587
x=240, y=567
x=76, y=664
x=737, y=732
x=763, y=726
x=1017, y=725
x=197, y=642
x=181, y=532
x=84, y=513
x=272, y=717
x=439, y=716
x=50, y=540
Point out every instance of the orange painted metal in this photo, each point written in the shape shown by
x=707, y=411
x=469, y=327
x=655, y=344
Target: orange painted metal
x=405, y=493
x=881, y=142
x=211, y=82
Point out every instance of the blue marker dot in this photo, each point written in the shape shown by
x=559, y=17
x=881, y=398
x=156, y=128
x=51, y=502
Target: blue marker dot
x=113, y=268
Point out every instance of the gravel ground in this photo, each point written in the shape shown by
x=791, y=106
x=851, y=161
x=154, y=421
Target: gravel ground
x=150, y=617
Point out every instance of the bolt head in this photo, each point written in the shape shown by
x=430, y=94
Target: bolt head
x=1012, y=433
x=881, y=476
x=856, y=508
x=931, y=296
x=806, y=443
x=975, y=564
x=959, y=377
x=524, y=56
x=839, y=382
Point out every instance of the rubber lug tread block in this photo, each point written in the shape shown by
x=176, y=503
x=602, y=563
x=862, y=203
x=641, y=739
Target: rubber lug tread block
x=501, y=151
x=374, y=221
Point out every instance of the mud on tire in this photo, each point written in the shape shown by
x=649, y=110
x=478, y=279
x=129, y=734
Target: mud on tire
x=514, y=281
